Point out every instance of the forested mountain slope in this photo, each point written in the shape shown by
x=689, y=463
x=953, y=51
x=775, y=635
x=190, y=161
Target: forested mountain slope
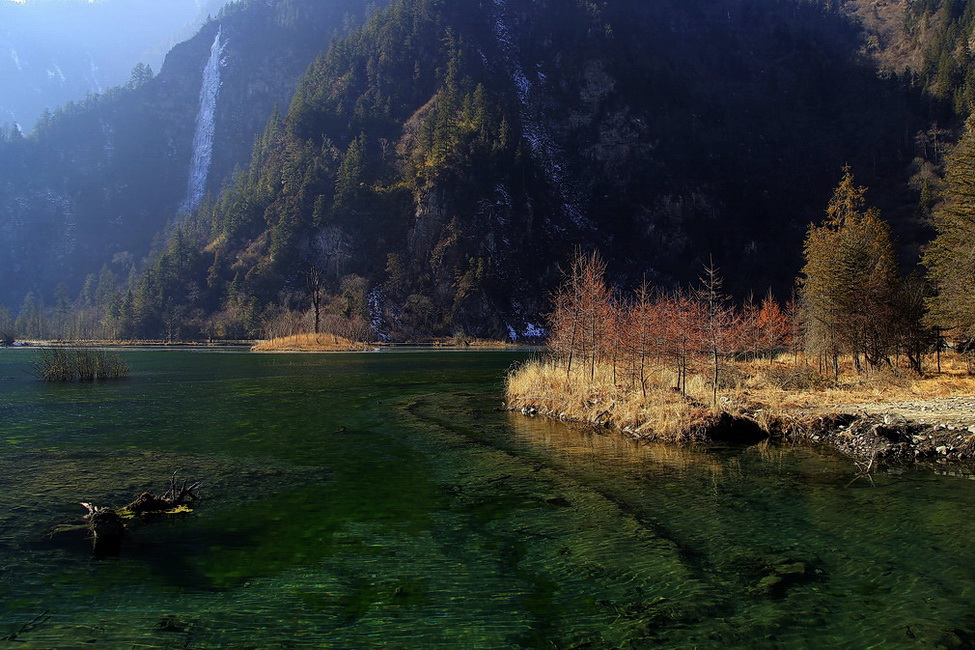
x=94, y=183
x=437, y=166
x=928, y=40
x=451, y=155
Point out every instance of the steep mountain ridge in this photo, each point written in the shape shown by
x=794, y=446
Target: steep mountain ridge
x=99, y=179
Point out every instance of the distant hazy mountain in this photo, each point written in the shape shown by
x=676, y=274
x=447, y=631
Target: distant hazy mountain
x=55, y=51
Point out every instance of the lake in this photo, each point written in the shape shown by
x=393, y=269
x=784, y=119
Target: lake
x=353, y=500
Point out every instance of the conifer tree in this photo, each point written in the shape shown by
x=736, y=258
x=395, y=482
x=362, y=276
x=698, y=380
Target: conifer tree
x=850, y=283
x=6, y=327
x=350, y=176
x=950, y=258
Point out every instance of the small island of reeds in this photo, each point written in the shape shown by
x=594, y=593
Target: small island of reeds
x=79, y=365
x=309, y=343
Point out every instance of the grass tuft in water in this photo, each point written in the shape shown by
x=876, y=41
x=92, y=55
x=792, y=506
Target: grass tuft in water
x=61, y=365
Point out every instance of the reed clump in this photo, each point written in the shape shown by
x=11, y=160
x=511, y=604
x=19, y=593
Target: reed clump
x=66, y=365
x=600, y=395
x=309, y=343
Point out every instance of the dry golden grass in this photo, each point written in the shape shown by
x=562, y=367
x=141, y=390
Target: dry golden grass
x=308, y=343
x=764, y=386
x=759, y=388
x=545, y=386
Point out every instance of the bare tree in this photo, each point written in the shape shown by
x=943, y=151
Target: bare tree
x=641, y=335
x=315, y=282
x=681, y=317
x=717, y=325
x=581, y=319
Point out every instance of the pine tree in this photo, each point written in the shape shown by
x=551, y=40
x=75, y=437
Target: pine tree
x=350, y=177
x=851, y=282
x=950, y=258
x=141, y=75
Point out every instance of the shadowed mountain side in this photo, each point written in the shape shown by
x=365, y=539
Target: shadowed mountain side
x=453, y=157
x=437, y=166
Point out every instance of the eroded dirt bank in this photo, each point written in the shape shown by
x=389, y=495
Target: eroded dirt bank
x=938, y=430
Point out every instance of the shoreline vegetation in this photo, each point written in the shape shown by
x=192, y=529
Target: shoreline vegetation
x=686, y=366
x=334, y=343
x=93, y=343
x=860, y=416
x=292, y=343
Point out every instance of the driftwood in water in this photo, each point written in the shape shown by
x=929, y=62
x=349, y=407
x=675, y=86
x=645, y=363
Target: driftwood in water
x=107, y=529
x=148, y=502
x=107, y=526
x=177, y=495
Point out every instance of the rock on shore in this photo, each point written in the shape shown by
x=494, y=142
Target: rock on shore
x=881, y=436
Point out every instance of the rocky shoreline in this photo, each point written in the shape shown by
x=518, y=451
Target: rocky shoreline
x=884, y=437
x=875, y=436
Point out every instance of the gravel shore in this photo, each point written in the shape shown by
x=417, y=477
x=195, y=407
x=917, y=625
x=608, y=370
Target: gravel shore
x=932, y=429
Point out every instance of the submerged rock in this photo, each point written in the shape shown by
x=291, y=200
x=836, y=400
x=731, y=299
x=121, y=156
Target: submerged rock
x=559, y=501
x=791, y=569
x=734, y=429
x=780, y=576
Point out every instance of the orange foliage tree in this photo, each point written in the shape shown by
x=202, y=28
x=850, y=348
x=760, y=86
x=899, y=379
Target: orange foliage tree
x=685, y=331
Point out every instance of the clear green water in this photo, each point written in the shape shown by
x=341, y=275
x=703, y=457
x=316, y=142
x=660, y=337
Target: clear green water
x=381, y=499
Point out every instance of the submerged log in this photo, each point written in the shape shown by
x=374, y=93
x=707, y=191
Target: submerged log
x=148, y=502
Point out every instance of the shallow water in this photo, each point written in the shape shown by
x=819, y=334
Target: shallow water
x=383, y=499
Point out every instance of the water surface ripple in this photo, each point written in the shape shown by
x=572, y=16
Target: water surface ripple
x=354, y=500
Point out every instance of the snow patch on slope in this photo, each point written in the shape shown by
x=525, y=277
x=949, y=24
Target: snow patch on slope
x=55, y=72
